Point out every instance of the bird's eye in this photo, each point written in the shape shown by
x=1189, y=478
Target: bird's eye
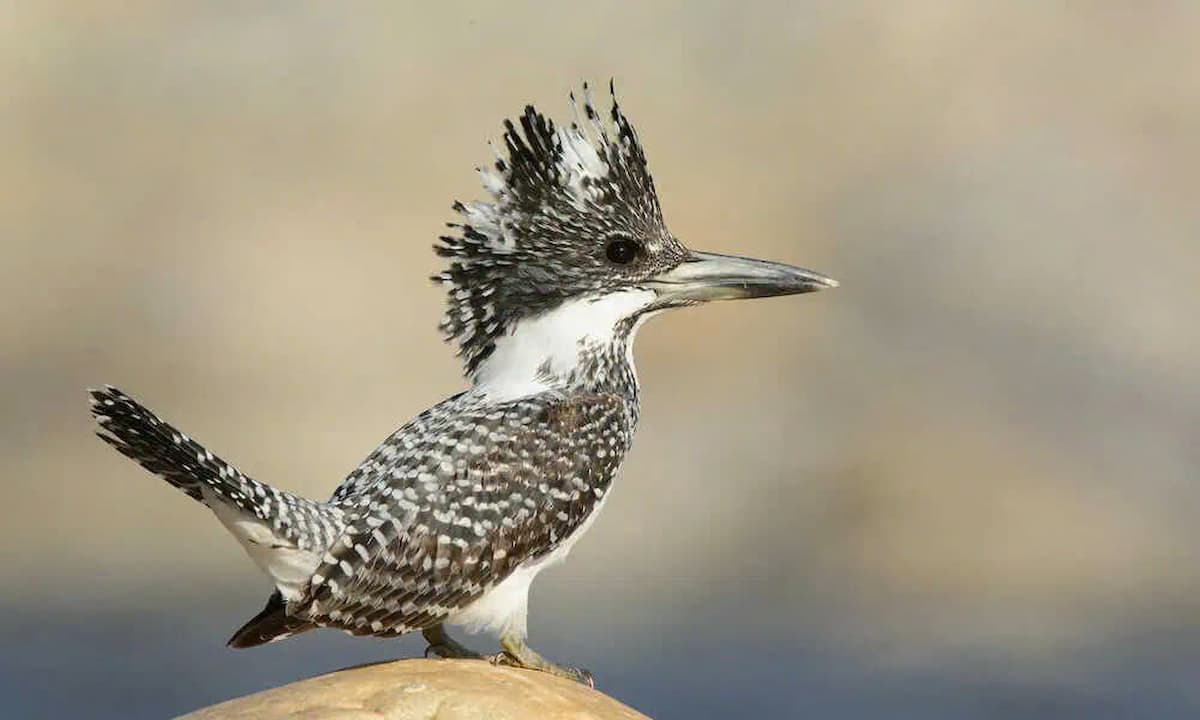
x=623, y=251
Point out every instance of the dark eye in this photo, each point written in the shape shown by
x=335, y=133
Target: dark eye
x=623, y=251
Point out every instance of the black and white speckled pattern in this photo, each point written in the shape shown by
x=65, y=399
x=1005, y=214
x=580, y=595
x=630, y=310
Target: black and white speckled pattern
x=139, y=434
x=454, y=501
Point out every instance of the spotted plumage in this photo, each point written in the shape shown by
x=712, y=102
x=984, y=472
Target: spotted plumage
x=452, y=517
x=457, y=501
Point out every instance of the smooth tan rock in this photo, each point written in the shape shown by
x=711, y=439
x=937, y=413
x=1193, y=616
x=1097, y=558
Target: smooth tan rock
x=425, y=690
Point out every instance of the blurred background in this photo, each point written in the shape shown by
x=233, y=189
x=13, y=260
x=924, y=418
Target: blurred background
x=961, y=486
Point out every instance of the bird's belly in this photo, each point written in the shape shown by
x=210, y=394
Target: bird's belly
x=503, y=608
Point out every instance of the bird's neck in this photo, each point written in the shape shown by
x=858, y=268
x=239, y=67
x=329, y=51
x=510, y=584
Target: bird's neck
x=582, y=345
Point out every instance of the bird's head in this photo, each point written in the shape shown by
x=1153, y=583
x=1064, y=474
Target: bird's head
x=574, y=242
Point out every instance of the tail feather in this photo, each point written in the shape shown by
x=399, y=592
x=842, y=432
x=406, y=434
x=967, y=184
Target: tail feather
x=140, y=435
x=284, y=534
x=270, y=625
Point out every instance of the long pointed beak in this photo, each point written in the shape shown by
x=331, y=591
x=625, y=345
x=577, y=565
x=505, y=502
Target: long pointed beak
x=709, y=276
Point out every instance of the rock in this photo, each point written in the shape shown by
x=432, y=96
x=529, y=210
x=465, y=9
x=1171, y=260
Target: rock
x=425, y=690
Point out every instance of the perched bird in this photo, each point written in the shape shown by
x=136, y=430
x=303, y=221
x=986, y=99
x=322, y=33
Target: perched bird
x=452, y=517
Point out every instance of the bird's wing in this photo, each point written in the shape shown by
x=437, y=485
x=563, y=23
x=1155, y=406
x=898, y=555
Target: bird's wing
x=461, y=499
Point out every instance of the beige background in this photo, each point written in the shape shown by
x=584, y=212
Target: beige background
x=965, y=483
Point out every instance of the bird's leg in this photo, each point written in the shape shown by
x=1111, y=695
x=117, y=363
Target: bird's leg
x=518, y=654
x=444, y=646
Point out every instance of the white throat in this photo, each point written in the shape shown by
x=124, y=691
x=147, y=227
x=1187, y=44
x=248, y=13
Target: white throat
x=552, y=342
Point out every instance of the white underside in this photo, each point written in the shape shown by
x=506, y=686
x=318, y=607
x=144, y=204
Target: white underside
x=288, y=566
x=503, y=609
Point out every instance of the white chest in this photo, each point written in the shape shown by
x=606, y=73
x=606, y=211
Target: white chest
x=539, y=349
x=504, y=608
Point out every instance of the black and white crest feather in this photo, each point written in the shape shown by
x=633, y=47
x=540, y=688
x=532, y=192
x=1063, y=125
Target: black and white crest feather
x=560, y=194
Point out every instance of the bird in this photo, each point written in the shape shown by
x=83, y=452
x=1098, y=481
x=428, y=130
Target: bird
x=451, y=518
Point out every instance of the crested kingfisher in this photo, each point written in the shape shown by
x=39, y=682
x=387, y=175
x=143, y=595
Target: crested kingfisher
x=451, y=518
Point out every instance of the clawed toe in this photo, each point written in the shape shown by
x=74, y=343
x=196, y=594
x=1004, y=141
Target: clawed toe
x=444, y=646
x=453, y=652
x=503, y=658
x=517, y=654
x=583, y=676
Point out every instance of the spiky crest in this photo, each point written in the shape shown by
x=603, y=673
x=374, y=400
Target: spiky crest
x=558, y=194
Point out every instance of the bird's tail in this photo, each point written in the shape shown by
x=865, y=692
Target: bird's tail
x=139, y=434
x=272, y=624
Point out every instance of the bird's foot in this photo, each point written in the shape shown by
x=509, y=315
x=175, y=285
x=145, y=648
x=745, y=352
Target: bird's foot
x=444, y=646
x=517, y=654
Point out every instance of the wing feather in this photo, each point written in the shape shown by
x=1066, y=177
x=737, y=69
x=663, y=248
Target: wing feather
x=455, y=501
